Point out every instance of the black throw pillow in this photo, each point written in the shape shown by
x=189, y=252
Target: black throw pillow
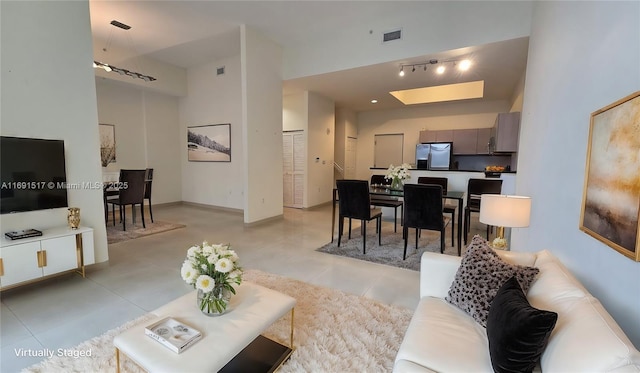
x=517, y=332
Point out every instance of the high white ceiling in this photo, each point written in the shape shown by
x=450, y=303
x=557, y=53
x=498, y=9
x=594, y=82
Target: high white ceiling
x=188, y=33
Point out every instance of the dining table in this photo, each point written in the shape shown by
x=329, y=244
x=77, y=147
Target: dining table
x=385, y=190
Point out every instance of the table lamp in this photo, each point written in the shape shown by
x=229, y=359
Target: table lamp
x=504, y=211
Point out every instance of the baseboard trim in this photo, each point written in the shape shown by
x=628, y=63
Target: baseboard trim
x=213, y=207
x=263, y=221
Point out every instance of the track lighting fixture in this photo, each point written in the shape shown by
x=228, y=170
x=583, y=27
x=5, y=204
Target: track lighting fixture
x=463, y=65
x=110, y=68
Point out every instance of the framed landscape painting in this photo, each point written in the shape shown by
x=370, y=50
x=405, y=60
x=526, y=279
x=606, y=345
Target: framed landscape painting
x=611, y=195
x=210, y=143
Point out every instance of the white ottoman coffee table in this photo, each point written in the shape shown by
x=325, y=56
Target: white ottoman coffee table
x=232, y=336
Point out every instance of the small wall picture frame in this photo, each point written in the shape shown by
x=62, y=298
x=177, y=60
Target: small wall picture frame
x=209, y=143
x=611, y=195
x=107, y=144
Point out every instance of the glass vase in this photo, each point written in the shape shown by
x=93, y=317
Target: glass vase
x=396, y=184
x=214, y=302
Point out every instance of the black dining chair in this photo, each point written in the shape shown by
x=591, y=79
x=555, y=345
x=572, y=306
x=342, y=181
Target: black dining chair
x=131, y=192
x=423, y=210
x=387, y=201
x=148, y=179
x=355, y=203
x=448, y=208
x=476, y=188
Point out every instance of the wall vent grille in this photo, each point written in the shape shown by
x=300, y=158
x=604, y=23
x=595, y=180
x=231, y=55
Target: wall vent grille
x=220, y=71
x=391, y=36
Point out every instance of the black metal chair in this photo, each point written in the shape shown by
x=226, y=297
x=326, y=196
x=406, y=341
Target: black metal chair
x=448, y=208
x=148, y=179
x=387, y=201
x=423, y=210
x=355, y=203
x=476, y=188
x=131, y=193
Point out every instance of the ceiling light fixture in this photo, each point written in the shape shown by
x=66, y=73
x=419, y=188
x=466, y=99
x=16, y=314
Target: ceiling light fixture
x=374, y=101
x=121, y=71
x=110, y=68
x=463, y=65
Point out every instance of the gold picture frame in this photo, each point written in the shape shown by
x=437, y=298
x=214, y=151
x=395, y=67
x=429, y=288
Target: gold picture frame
x=611, y=194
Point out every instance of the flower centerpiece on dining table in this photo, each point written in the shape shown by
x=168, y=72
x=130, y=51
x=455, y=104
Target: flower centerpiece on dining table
x=212, y=270
x=397, y=175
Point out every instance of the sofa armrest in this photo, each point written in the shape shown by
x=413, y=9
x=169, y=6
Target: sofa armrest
x=437, y=272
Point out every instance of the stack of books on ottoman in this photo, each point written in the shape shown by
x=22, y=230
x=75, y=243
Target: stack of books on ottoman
x=173, y=334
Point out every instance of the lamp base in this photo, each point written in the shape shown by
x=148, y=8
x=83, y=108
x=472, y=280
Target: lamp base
x=499, y=242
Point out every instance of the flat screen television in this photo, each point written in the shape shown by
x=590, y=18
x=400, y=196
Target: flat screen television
x=33, y=174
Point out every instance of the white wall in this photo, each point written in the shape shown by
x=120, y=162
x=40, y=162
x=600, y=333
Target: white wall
x=436, y=26
x=320, y=146
x=261, y=82
x=582, y=57
x=295, y=111
x=147, y=132
x=56, y=102
x=413, y=120
x=213, y=99
x=122, y=106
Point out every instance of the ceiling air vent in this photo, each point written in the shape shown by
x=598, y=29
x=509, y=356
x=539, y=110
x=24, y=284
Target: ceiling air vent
x=392, y=35
x=220, y=71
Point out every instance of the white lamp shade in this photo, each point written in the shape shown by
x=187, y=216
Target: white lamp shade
x=505, y=211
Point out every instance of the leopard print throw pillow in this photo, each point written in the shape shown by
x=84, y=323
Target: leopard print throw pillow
x=481, y=273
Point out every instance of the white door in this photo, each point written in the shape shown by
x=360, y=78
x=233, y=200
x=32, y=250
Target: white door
x=294, y=158
x=350, y=158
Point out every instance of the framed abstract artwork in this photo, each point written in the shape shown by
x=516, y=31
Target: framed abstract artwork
x=107, y=144
x=210, y=143
x=611, y=194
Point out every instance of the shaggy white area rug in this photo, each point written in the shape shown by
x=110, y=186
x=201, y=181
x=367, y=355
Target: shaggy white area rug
x=334, y=332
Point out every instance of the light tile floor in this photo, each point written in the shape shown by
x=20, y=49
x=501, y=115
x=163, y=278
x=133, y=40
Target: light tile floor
x=144, y=273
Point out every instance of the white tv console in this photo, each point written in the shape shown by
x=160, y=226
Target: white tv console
x=58, y=250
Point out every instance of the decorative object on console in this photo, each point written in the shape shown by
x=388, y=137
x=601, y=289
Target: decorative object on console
x=517, y=332
x=504, y=211
x=212, y=270
x=480, y=275
x=211, y=143
x=611, y=195
x=73, y=217
x=26, y=233
x=398, y=175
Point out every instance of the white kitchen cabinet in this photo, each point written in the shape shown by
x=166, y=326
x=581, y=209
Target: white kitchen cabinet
x=58, y=250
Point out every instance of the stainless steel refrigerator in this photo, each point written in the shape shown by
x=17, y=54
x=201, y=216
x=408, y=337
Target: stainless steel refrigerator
x=433, y=156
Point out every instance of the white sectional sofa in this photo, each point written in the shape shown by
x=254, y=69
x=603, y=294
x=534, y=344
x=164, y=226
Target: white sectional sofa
x=443, y=338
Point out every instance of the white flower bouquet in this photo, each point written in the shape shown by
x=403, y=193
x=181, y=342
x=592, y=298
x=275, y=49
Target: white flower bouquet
x=212, y=270
x=398, y=174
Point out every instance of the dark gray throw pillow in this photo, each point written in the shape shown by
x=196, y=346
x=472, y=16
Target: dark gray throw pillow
x=481, y=273
x=517, y=332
